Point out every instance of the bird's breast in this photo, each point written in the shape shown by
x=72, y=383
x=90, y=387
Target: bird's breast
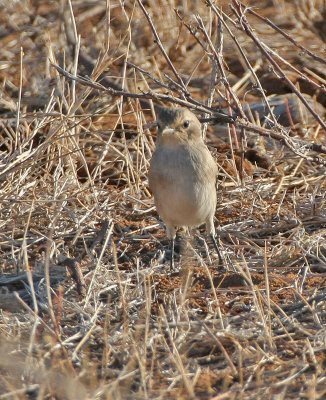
x=183, y=184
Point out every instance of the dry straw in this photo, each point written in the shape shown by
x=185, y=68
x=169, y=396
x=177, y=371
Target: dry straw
x=88, y=306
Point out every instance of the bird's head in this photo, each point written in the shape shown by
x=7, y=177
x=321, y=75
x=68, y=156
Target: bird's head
x=177, y=126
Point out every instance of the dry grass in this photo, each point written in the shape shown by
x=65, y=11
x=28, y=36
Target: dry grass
x=74, y=198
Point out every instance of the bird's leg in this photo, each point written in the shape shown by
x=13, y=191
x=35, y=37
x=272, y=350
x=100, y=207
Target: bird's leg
x=220, y=258
x=172, y=255
x=204, y=243
x=171, y=233
x=210, y=228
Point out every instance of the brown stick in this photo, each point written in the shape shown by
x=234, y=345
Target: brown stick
x=146, y=95
x=286, y=35
x=249, y=31
x=161, y=47
x=276, y=133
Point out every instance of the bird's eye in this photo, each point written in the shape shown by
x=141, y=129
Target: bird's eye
x=186, y=124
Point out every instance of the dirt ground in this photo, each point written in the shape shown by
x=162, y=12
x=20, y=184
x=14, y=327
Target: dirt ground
x=89, y=307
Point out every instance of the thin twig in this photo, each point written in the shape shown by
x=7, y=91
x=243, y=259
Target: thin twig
x=286, y=35
x=249, y=31
x=161, y=47
x=147, y=95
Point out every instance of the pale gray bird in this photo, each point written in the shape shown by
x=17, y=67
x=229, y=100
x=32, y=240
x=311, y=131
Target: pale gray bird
x=182, y=175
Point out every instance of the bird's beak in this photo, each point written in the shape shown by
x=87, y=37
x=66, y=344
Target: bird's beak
x=167, y=131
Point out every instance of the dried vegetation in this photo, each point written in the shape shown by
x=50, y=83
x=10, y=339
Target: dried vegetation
x=95, y=311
